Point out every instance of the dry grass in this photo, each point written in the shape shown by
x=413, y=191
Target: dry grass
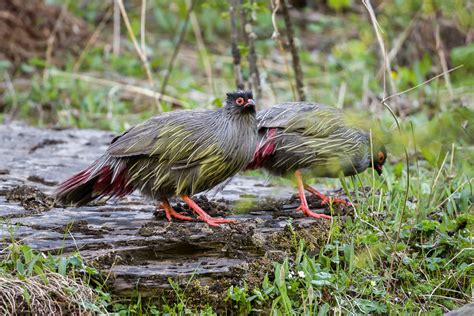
x=47, y=294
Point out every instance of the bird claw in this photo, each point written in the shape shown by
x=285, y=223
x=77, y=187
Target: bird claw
x=329, y=200
x=211, y=221
x=307, y=212
x=170, y=213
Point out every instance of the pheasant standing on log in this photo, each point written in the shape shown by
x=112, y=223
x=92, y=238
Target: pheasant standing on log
x=178, y=153
x=317, y=138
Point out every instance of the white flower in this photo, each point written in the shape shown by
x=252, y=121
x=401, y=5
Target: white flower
x=290, y=275
x=373, y=283
x=301, y=274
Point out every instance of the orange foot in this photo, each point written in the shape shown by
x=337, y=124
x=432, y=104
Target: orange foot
x=209, y=220
x=325, y=199
x=304, y=204
x=309, y=213
x=170, y=212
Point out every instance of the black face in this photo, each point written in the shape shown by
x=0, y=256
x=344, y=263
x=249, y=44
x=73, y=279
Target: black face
x=241, y=99
x=379, y=159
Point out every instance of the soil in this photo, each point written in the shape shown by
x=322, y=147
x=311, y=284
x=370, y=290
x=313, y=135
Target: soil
x=31, y=28
x=30, y=198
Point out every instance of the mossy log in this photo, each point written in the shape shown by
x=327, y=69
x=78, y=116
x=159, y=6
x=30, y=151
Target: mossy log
x=131, y=239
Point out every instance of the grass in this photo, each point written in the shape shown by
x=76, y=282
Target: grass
x=389, y=258
x=40, y=283
x=409, y=246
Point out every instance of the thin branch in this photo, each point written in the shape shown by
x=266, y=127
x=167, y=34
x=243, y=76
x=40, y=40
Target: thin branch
x=123, y=86
x=421, y=84
x=442, y=59
x=294, y=51
x=276, y=36
x=234, y=38
x=378, y=32
x=138, y=49
x=249, y=37
x=182, y=34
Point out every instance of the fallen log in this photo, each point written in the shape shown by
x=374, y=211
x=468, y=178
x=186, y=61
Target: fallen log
x=130, y=239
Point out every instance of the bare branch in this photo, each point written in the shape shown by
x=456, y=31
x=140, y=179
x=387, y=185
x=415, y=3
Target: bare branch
x=378, y=33
x=294, y=51
x=234, y=38
x=249, y=37
x=140, y=53
x=442, y=59
x=421, y=84
x=276, y=36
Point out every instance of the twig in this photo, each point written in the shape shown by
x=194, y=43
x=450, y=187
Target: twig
x=182, y=34
x=378, y=29
x=234, y=38
x=116, y=34
x=421, y=84
x=342, y=95
x=442, y=59
x=202, y=50
x=139, y=51
x=249, y=37
x=294, y=51
x=276, y=36
x=12, y=92
x=123, y=86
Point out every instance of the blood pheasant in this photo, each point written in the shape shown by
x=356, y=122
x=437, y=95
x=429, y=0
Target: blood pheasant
x=178, y=153
x=314, y=137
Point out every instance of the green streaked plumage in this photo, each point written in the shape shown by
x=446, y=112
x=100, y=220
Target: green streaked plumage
x=311, y=136
x=177, y=153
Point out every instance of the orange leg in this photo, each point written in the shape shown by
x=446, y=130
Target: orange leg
x=170, y=212
x=304, y=204
x=211, y=221
x=325, y=199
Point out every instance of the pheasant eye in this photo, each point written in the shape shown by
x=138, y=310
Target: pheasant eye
x=240, y=101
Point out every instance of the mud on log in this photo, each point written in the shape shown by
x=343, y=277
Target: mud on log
x=128, y=237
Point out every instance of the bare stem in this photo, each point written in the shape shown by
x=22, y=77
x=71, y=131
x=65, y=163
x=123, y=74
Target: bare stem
x=249, y=37
x=276, y=36
x=234, y=38
x=140, y=53
x=294, y=51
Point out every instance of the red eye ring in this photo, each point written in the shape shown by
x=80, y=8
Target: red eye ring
x=240, y=101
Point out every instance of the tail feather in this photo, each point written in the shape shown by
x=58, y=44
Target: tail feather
x=105, y=177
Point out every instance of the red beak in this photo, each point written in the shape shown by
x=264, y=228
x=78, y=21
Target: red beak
x=379, y=170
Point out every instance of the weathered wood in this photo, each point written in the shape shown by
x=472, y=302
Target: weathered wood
x=138, y=246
